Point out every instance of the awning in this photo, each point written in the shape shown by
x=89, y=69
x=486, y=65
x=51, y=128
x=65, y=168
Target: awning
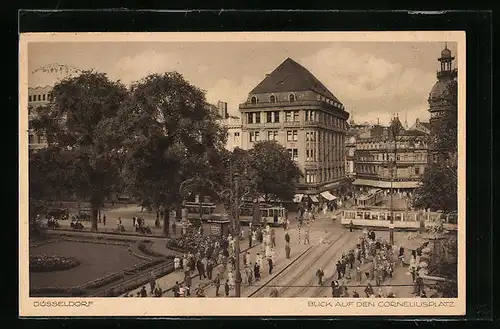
x=314, y=198
x=298, y=198
x=327, y=195
x=386, y=184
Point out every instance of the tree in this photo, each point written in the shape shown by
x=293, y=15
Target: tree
x=82, y=157
x=438, y=190
x=172, y=134
x=275, y=174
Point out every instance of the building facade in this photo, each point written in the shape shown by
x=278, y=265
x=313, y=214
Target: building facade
x=233, y=126
x=294, y=108
x=442, y=99
x=377, y=163
x=37, y=97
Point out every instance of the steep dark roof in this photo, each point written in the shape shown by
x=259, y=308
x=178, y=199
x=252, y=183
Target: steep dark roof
x=413, y=132
x=291, y=76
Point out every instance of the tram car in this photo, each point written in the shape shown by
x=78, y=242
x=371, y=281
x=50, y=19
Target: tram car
x=269, y=215
x=403, y=219
x=207, y=210
x=372, y=198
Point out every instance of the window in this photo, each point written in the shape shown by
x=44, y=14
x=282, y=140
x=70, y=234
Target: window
x=29, y=98
x=269, y=117
x=254, y=100
x=288, y=116
x=276, y=116
x=43, y=97
x=309, y=115
x=291, y=135
x=417, y=171
x=39, y=98
x=254, y=136
x=310, y=154
x=272, y=99
x=257, y=117
x=296, y=116
x=272, y=135
x=294, y=154
x=236, y=134
x=250, y=117
x=31, y=139
x=291, y=98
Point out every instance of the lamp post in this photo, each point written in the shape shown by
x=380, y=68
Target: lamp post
x=237, y=245
x=394, y=131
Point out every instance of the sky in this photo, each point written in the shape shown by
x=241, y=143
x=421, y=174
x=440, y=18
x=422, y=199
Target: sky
x=372, y=79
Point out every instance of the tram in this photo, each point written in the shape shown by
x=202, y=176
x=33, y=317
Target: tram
x=269, y=215
x=372, y=198
x=403, y=219
x=207, y=210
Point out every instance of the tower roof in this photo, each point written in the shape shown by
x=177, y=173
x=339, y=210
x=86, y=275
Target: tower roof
x=291, y=76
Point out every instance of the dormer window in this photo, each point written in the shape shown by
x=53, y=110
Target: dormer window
x=254, y=100
x=291, y=98
x=272, y=99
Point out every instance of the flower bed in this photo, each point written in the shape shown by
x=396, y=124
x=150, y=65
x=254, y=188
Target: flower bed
x=145, y=248
x=45, y=263
x=190, y=243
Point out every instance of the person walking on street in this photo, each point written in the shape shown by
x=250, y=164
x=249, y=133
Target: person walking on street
x=270, y=262
x=350, y=226
x=339, y=270
x=217, y=285
x=287, y=251
x=287, y=238
x=256, y=270
x=306, y=236
x=104, y=220
x=176, y=289
x=273, y=238
x=320, y=274
x=188, y=285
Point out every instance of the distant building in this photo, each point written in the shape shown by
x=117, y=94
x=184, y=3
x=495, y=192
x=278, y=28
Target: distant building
x=37, y=97
x=294, y=108
x=442, y=98
x=233, y=126
x=374, y=159
x=421, y=126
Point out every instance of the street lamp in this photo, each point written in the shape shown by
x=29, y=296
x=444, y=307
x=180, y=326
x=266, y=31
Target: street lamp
x=238, y=229
x=394, y=131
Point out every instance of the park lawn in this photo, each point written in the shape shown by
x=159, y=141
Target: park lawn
x=97, y=260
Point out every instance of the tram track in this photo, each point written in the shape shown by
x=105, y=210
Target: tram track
x=303, y=266
x=328, y=259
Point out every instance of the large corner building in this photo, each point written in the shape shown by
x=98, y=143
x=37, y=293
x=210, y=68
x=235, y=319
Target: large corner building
x=293, y=107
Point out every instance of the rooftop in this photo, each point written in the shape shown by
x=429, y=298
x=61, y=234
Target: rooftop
x=291, y=76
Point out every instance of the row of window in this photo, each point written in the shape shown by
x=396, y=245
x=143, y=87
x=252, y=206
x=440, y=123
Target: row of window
x=390, y=145
x=39, y=98
x=390, y=157
x=36, y=139
x=294, y=116
x=324, y=175
x=292, y=98
x=386, y=172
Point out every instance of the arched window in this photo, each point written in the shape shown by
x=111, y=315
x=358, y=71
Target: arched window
x=272, y=99
x=291, y=98
x=254, y=100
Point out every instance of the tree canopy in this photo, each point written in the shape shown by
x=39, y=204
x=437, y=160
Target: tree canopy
x=79, y=160
x=275, y=174
x=172, y=134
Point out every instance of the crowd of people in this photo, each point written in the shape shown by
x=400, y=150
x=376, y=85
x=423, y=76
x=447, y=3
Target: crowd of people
x=373, y=259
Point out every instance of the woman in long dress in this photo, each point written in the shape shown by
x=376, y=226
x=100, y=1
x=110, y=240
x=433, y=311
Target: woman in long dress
x=177, y=263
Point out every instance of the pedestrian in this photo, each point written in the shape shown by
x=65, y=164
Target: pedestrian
x=188, y=285
x=226, y=287
x=133, y=221
x=306, y=236
x=230, y=278
x=176, y=289
x=104, y=220
x=287, y=251
x=339, y=270
x=369, y=290
x=256, y=270
x=273, y=238
x=350, y=226
x=250, y=237
x=320, y=274
x=287, y=238
x=177, y=263
x=270, y=262
x=217, y=285
x=358, y=274
x=210, y=268
x=245, y=258
x=143, y=292
x=419, y=285
x=249, y=272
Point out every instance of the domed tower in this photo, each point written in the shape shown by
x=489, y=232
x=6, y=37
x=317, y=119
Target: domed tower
x=442, y=98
